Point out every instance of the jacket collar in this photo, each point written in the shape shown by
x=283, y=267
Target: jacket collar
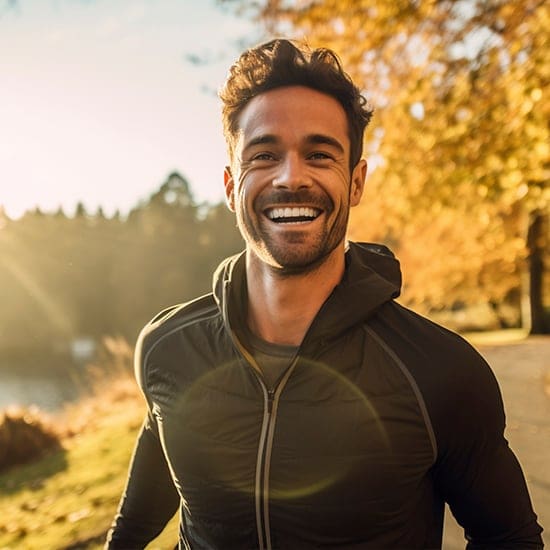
x=372, y=278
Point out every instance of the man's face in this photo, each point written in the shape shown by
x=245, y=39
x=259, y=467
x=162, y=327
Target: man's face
x=290, y=182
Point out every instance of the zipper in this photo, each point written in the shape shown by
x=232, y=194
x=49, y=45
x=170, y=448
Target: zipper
x=262, y=466
x=265, y=447
x=262, y=474
x=268, y=407
x=263, y=458
x=270, y=397
x=265, y=444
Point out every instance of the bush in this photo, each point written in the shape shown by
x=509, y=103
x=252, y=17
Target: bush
x=24, y=436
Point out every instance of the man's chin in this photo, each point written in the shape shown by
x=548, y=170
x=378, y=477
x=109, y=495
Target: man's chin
x=287, y=263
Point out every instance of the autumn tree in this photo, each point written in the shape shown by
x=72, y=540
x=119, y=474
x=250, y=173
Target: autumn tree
x=459, y=146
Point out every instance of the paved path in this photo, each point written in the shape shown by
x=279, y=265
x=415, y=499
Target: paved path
x=523, y=372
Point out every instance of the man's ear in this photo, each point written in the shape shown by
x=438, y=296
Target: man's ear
x=358, y=182
x=229, y=188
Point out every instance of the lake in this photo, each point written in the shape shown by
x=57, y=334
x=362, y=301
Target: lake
x=49, y=391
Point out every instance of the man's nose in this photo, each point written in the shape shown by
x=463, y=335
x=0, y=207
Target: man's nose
x=293, y=173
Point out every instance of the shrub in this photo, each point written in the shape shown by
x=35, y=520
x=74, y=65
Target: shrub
x=24, y=436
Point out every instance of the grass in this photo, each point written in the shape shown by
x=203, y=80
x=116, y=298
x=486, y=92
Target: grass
x=69, y=498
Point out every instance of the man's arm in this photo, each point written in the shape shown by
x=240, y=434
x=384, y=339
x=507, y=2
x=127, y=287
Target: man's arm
x=149, y=500
x=475, y=471
x=478, y=474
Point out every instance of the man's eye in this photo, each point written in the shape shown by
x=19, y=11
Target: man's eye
x=319, y=155
x=263, y=156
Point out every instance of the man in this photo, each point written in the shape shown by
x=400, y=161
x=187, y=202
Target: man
x=298, y=405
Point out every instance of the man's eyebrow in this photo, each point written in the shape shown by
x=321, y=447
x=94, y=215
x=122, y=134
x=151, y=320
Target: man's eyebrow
x=322, y=139
x=312, y=139
x=261, y=140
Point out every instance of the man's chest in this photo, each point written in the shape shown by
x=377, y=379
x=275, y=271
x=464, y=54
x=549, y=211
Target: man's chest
x=325, y=446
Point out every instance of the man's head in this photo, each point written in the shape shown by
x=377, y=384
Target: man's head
x=294, y=124
x=279, y=63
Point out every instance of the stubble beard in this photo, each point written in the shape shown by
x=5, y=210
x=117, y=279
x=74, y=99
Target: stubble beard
x=297, y=254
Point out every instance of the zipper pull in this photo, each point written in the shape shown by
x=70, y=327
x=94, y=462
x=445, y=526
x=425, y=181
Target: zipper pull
x=270, y=397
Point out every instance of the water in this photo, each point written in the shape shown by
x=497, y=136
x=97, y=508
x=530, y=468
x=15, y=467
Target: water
x=48, y=391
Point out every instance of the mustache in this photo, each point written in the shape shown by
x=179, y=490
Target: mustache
x=281, y=197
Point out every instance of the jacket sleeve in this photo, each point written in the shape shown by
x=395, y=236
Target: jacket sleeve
x=149, y=500
x=476, y=471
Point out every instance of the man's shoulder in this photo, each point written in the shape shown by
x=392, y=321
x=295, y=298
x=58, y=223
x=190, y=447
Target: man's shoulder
x=175, y=318
x=450, y=374
x=194, y=309
x=422, y=329
x=435, y=355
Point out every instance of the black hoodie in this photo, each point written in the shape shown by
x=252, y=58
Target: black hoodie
x=381, y=419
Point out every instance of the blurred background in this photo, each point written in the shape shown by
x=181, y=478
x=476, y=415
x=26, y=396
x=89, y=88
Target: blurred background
x=111, y=177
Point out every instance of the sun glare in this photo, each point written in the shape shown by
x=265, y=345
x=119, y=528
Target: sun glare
x=100, y=109
x=44, y=302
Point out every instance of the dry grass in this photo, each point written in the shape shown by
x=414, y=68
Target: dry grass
x=71, y=493
x=27, y=433
x=69, y=490
x=110, y=383
x=90, y=412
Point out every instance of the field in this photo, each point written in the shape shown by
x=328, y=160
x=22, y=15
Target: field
x=68, y=499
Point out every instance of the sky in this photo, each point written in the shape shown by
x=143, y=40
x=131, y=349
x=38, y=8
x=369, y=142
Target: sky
x=101, y=100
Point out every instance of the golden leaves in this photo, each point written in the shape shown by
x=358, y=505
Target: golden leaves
x=461, y=131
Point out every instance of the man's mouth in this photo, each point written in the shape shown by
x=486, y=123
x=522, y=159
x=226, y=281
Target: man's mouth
x=294, y=214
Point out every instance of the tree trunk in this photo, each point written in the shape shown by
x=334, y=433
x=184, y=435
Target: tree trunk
x=537, y=239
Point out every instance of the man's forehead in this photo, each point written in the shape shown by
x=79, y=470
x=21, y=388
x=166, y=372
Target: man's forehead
x=293, y=111
x=289, y=98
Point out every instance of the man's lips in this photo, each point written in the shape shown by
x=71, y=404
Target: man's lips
x=292, y=214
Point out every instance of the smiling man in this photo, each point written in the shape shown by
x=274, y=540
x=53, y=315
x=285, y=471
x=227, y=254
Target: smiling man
x=298, y=405
x=291, y=185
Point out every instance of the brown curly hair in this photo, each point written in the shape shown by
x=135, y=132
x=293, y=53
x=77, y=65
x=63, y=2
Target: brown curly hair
x=280, y=63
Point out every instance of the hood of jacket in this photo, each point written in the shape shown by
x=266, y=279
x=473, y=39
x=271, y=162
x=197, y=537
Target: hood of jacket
x=372, y=277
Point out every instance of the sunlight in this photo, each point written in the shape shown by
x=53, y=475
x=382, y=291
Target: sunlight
x=55, y=315
x=98, y=106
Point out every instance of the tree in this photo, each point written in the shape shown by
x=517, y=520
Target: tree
x=88, y=275
x=460, y=140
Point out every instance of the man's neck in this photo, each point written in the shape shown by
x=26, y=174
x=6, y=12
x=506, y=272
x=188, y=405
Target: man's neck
x=282, y=307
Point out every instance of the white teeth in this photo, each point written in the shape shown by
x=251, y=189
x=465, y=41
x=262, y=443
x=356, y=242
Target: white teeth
x=295, y=212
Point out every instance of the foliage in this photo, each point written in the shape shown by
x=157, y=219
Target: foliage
x=460, y=143
x=89, y=276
